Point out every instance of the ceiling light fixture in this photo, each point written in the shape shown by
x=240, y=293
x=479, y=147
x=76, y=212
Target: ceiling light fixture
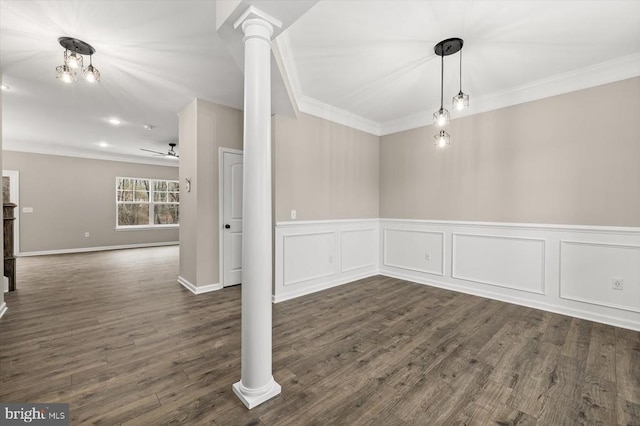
x=4, y=87
x=461, y=100
x=441, y=117
x=115, y=121
x=74, y=50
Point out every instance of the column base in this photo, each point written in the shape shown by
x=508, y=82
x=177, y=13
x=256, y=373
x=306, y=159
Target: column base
x=252, y=399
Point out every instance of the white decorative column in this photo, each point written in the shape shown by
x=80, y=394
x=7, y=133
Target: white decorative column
x=256, y=384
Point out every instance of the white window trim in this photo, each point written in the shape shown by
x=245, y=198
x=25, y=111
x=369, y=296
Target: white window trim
x=151, y=226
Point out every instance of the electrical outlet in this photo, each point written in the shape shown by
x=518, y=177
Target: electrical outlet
x=427, y=256
x=617, y=283
x=293, y=214
x=86, y=235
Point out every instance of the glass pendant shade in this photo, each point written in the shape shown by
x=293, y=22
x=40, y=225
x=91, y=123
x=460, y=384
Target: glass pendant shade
x=461, y=101
x=73, y=60
x=442, y=139
x=441, y=117
x=91, y=74
x=65, y=74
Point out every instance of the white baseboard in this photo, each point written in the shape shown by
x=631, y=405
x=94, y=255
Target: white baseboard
x=3, y=308
x=563, y=310
x=100, y=248
x=322, y=286
x=200, y=288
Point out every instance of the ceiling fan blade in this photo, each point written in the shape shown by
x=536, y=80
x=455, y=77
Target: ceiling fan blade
x=155, y=152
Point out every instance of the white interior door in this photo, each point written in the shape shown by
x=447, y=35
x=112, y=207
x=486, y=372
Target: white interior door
x=231, y=218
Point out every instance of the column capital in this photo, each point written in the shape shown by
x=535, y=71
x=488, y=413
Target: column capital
x=253, y=15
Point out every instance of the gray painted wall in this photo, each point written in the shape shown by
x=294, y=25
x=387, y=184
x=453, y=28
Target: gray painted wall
x=204, y=128
x=324, y=170
x=71, y=196
x=569, y=159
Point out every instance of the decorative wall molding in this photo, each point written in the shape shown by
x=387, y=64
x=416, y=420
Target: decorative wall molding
x=100, y=248
x=529, y=264
x=596, y=75
x=315, y=255
x=66, y=151
x=352, y=257
x=433, y=247
x=525, y=264
x=300, y=266
x=505, y=266
x=200, y=288
x=587, y=268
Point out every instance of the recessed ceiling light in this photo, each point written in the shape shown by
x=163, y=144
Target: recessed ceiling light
x=4, y=87
x=103, y=144
x=148, y=127
x=115, y=121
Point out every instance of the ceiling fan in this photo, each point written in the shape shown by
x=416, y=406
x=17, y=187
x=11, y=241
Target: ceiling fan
x=169, y=154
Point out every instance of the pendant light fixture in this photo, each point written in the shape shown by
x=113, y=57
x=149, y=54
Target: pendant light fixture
x=442, y=139
x=461, y=100
x=74, y=50
x=441, y=117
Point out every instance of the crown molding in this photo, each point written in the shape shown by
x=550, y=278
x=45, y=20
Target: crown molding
x=62, y=151
x=596, y=75
x=308, y=105
x=329, y=112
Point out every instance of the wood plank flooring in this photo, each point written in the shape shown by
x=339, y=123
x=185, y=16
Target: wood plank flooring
x=115, y=336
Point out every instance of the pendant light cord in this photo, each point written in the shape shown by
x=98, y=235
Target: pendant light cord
x=442, y=78
x=460, y=70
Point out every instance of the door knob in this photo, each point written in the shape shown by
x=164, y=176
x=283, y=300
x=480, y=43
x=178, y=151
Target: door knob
x=227, y=226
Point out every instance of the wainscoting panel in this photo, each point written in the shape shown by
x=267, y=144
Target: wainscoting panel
x=587, y=271
x=314, y=255
x=559, y=268
x=415, y=250
x=299, y=266
x=352, y=255
x=516, y=263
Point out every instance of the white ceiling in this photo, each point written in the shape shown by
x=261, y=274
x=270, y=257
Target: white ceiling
x=369, y=64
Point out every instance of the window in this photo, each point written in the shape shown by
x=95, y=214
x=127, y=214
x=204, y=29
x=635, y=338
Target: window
x=147, y=202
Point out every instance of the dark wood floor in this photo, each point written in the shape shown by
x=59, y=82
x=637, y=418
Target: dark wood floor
x=117, y=338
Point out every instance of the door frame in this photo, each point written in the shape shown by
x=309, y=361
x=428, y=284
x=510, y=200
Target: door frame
x=14, y=190
x=221, y=152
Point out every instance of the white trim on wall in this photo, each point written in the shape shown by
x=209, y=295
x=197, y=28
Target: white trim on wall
x=311, y=256
x=522, y=264
x=514, y=265
x=512, y=262
x=198, y=289
x=101, y=248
